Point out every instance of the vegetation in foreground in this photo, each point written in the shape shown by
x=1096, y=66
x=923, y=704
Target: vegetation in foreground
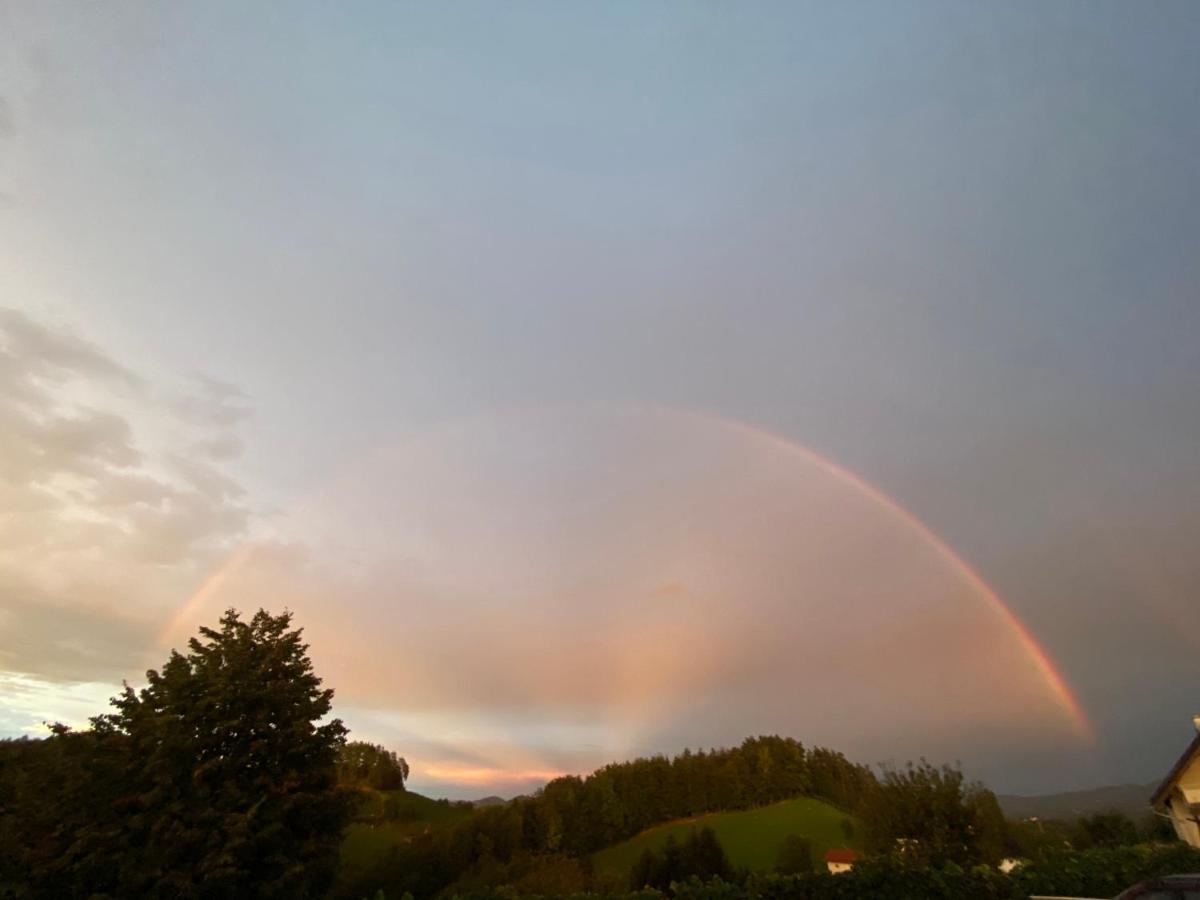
x=1099, y=872
x=217, y=779
x=386, y=825
x=224, y=777
x=545, y=843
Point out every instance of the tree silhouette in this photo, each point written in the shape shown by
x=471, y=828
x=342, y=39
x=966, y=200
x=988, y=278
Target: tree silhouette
x=234, y=779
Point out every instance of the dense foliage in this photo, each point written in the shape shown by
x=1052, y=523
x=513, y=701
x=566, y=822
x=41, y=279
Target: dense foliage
x=931, y=815
x=65, y=805
x=1035, y=838
x=214, y=780
x=1105, y=830
x=364, y=765
x=1100, y=872
x=699, y=856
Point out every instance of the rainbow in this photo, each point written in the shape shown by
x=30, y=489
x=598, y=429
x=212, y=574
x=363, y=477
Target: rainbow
x=1047, y=670
x=211, y=585
x=1037, y=654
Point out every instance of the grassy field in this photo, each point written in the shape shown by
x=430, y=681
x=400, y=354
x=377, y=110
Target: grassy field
x=388, y=819
x=406, y=808
x=751, y=838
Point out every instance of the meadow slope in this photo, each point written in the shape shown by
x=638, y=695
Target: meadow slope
x=751, y=837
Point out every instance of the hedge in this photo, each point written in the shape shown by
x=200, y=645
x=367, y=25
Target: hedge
x=1100, y=872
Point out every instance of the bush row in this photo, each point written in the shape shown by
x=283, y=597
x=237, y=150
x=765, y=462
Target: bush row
x=1101, y=872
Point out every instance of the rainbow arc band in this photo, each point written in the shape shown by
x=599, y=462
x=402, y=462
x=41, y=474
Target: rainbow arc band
x=1048, y=671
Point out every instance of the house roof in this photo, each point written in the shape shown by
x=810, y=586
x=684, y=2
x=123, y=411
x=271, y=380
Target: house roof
x=842, y=855
x=1188, y=755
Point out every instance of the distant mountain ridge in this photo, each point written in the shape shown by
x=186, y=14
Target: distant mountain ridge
x=1131, y=799
x=489, y=801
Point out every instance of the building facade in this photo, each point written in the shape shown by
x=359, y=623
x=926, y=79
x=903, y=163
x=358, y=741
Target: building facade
x=841, y=859
x=1179, y=794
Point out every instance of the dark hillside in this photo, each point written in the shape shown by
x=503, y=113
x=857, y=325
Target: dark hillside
x=1131, y=799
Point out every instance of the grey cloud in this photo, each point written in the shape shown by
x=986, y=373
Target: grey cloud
x=127, y=489
x=207, y=479
x=38, y=447
x=8, y=124
x=61, y=640
x=46, y=353
x=214, y=402
x=102, y=438
x=172, y=533
x=221, y=447
x=101, y=532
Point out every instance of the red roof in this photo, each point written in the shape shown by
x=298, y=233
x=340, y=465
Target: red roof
x=842, y=855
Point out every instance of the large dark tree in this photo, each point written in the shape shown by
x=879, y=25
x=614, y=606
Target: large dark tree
x=215, y=780
x=231, y=771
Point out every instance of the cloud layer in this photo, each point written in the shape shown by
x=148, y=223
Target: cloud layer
x=108, y=512
x=556, y=588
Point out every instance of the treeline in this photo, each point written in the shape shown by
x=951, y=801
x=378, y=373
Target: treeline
x=558, y=828
x=926, y=822
x=364, y=765
x=923, y=815
x=578, y=816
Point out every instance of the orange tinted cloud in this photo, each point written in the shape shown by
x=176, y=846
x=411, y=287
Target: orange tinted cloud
x=669, y=579
x=468, y=775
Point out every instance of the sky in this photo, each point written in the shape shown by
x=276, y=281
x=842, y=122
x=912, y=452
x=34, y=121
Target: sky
x=596, y=380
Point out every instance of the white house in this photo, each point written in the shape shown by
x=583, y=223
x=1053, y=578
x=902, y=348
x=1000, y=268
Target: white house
x=1179, y=794
x=841, y=859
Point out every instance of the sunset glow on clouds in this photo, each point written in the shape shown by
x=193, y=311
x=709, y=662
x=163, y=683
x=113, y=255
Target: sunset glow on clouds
x=510, y=596
x=630, y=569
x=499, y=778
x=644, y=570
x=105, y=519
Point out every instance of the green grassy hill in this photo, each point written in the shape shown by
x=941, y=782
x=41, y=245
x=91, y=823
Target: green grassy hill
x=751, y=837
x=409, y=810
x=387, y=819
